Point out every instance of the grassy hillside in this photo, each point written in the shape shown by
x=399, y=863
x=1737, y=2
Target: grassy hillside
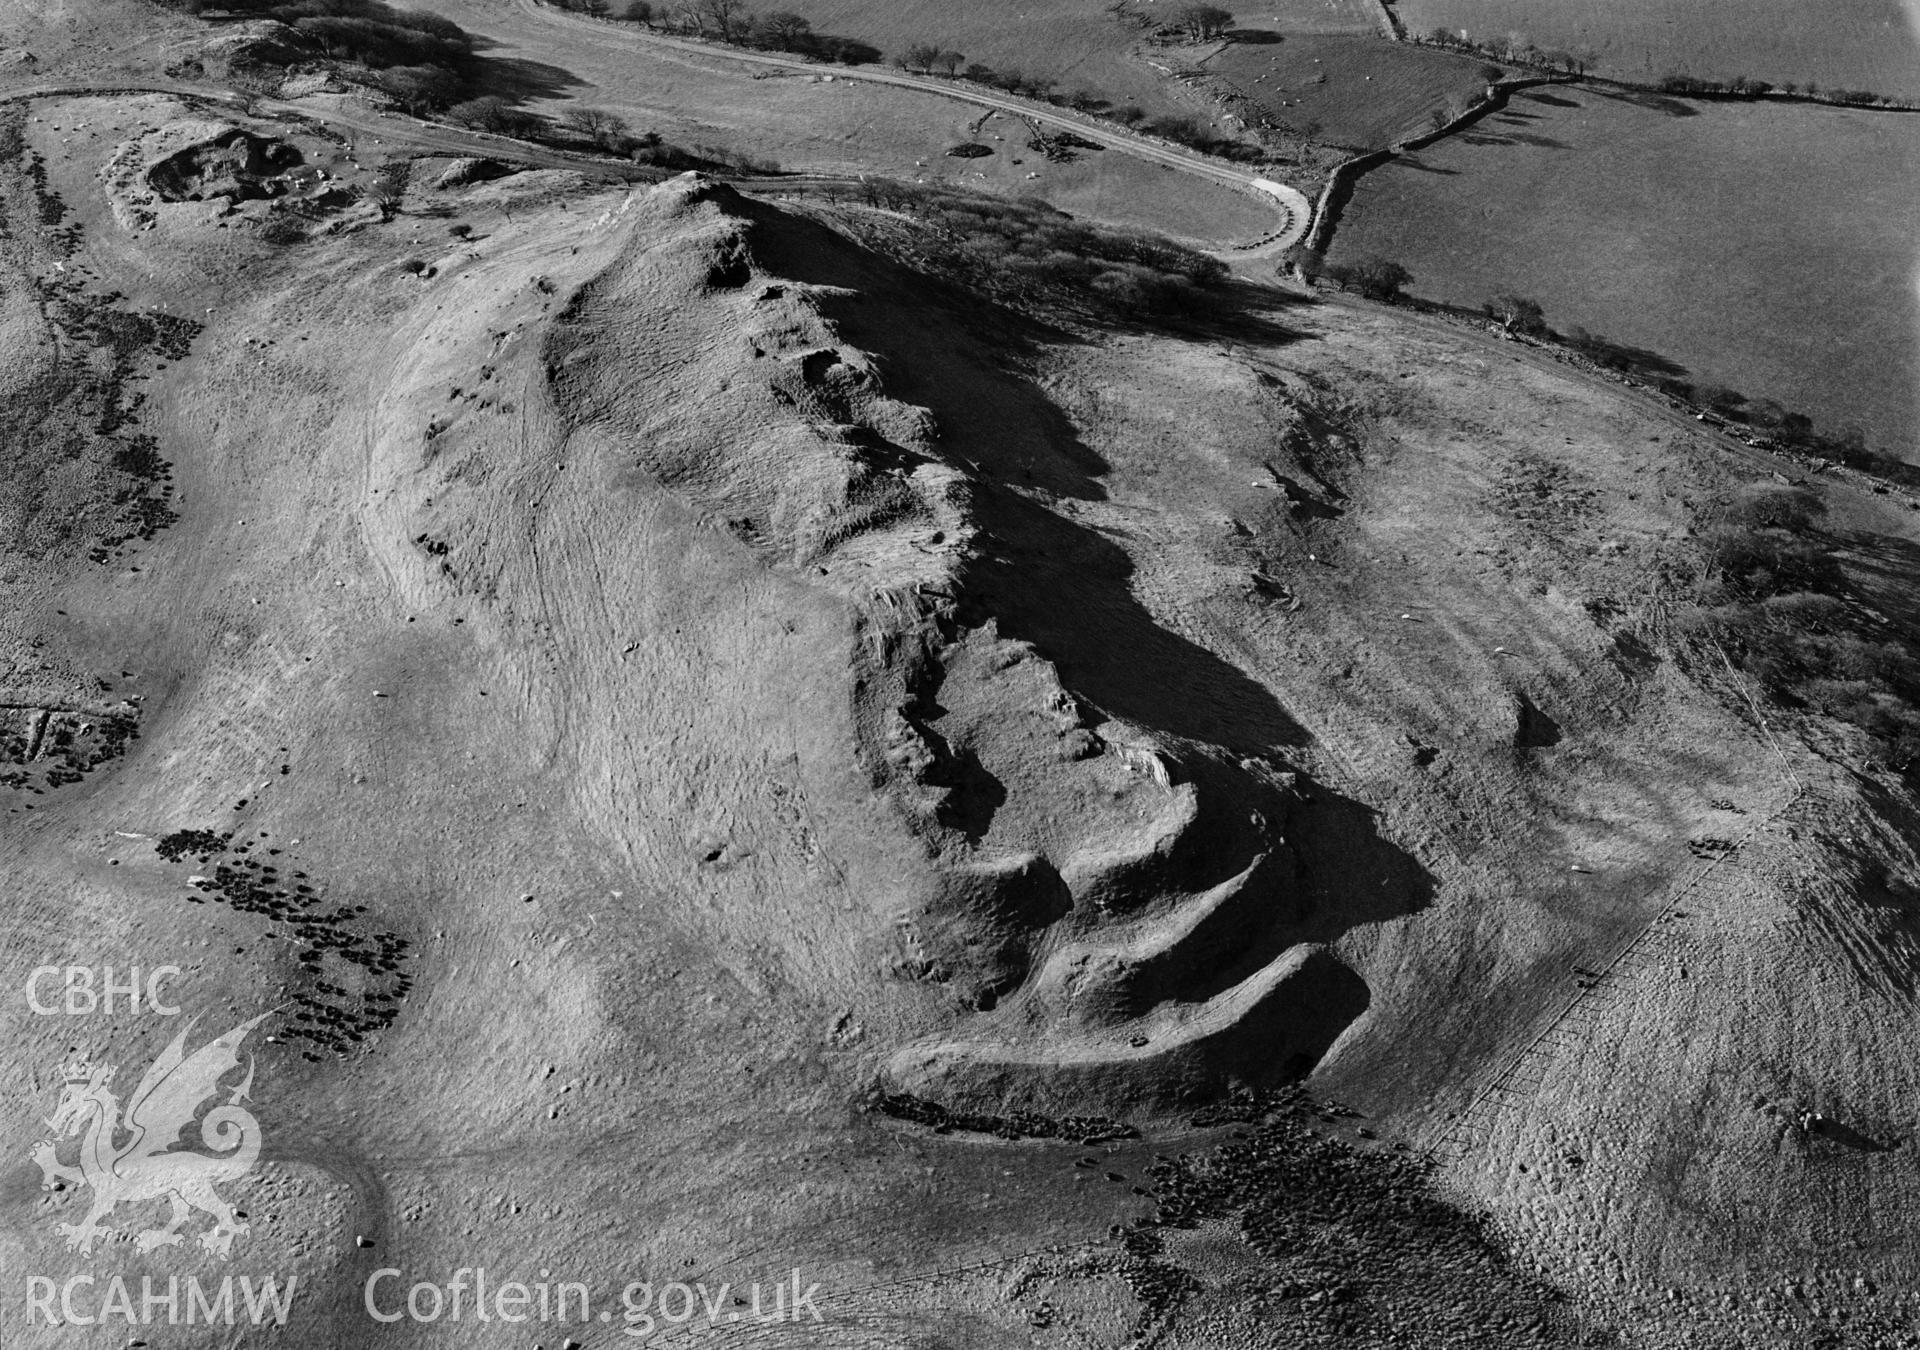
x=952, y=750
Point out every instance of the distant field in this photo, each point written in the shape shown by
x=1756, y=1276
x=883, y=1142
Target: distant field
x=1768, y=248
x=1850, y=44
x=1360, y=91
x=846, y=126
x=1306, y=16
x=1073, y=42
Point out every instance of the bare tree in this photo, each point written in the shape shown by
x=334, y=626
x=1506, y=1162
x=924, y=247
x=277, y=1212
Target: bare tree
x=920, y=56
x=1517, y=314
x=783, y=30
x=1202, y=23
x=728, y=19
x=388, y=188
x=946, y=62
x=1374, y=277
x=605, y=129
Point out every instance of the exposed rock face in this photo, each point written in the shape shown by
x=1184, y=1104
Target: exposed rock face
x=1101, y=899
x=234, y=163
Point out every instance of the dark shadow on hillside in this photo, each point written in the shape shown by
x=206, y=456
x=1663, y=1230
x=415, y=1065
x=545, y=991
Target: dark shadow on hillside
x=1351, y=873
x=1623, y=357
x=1411, y=161
x=1886, y=571
x=1338, y=872
x=1244, y=312
x=1551, y=100
x=1048, y=579
x=1517, y=136
x=1068, y=591
x=519, y=80
x=1848, y=1137
x=1255, y=37
x=1653, y=102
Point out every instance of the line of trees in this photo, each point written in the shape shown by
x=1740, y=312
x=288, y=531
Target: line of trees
x=1765, y=421
x=1519, y=52
x=1201, y=23
x=1372, y=276
x=1513, y=50
x=732, y=22
x=1741, y=86
x=931, y=59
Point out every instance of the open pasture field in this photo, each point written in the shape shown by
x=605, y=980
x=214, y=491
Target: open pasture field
x=1845, y=44
x=1352, y=90
x=1307, y=16
x=1075, y=43
x=1765, y=248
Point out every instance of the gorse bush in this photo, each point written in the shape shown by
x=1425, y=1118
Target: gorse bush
x=367, y=31
x=732, y=22
x=1773, y=601
x=425, y=61
x=1036, y=256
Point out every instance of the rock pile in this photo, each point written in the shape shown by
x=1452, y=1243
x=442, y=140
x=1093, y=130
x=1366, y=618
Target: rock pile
x=1020, y=1125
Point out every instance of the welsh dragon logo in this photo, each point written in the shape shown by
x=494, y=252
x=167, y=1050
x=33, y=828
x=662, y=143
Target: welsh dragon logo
x=130, y=1158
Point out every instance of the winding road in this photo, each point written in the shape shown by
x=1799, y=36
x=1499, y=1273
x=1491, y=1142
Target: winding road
x=557, y=26
x=1288, y=199
x=1296, y=210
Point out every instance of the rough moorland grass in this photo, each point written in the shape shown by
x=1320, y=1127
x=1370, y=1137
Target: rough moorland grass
x=1768, y=248
x=1771, y=599
x=1847, y=43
